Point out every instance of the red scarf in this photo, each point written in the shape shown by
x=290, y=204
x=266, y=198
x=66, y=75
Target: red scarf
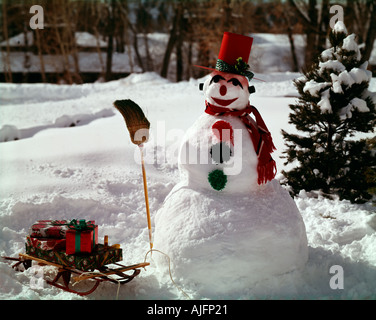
x=260, y=135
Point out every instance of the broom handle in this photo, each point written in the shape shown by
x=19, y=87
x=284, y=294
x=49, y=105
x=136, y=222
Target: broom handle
x=146, y=196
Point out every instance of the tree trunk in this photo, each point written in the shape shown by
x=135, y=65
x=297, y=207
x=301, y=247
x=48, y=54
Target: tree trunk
x=123, y=8
x=110, y=45
x=135, y=46
x=189, y=61
x=62, y=38
x=311, y=29
x=71, y=43
x=40, y=54
x=329, y=165
x=171, y=40
x=7, y=69
x=99, y=51
x=371, y=34
x=179, y=59
x=149, y=59
x=27, y=64
x=179, y=49
x=295, y=64
x=110, y=50
x=323, y=27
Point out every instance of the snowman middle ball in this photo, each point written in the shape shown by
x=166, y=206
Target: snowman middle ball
x=220, y=143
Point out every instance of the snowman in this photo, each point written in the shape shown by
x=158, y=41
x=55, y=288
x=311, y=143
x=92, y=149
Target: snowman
x=228, y=224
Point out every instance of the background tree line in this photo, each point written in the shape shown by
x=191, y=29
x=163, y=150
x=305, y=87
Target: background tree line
x=193, y=28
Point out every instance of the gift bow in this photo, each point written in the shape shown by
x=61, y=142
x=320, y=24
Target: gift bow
x=80, y=225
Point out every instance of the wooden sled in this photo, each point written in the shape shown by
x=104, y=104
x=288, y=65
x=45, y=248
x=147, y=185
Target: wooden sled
x=116, y=275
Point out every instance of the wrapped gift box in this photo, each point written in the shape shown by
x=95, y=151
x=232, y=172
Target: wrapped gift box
x=49, y=229
x=46, y=243
x=85, y=262
x=81, y=237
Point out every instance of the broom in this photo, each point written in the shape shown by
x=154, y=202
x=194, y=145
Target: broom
x=138, y=127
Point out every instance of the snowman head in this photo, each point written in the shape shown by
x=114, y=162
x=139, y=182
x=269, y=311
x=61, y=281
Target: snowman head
x=227, y=86
x=227, y=90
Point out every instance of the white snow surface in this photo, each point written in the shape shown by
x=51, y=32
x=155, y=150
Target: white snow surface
x=87, y=168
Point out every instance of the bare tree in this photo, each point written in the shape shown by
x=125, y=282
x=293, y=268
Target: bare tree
x=178, y=12
x=125, y=15
x=315, y=18
x=95, y=21
x=360, y=18
x=26, y=49
x=7, y=68
x=110, y=38
x=40, y=55
x=124, y=31
x=371, y=34
x=144, y=26
x=70, y=19
x=289, y=27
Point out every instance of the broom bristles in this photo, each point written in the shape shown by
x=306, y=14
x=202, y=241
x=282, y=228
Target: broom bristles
x=138, y=125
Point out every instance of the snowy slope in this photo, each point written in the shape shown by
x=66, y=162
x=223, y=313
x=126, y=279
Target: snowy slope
x=90, y=170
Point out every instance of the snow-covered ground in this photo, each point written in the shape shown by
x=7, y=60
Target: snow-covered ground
x=74, y=159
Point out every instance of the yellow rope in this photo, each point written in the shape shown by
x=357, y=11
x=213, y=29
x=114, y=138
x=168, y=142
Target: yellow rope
x=150, y=251
x=169, y=270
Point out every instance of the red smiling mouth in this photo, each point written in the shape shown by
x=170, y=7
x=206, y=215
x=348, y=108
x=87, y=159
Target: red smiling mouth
x=223, y=102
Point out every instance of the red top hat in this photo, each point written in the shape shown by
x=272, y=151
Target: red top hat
x=234, y=54
x=234, y=46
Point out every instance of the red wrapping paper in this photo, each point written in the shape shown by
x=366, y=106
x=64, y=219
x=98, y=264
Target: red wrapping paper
x=46, y=243
x=49, y=229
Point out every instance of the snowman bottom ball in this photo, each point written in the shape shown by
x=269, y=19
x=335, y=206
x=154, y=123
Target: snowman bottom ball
x=220, y=244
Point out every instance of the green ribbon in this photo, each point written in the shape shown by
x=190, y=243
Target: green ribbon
x=240, y=68
x=77, y=241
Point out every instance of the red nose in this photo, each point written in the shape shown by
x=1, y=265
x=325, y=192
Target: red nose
x=223, y=90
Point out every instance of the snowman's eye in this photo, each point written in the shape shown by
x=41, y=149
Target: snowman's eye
x=235, y=82
x=216, y=79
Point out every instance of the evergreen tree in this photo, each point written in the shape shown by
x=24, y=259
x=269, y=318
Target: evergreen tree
x=334, y=105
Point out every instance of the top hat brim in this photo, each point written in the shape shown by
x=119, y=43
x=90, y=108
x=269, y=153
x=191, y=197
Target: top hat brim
x=206, y=68
x=213, y=69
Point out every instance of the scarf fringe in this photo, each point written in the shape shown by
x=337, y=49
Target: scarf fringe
x=266, y=172
x=266, y=167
